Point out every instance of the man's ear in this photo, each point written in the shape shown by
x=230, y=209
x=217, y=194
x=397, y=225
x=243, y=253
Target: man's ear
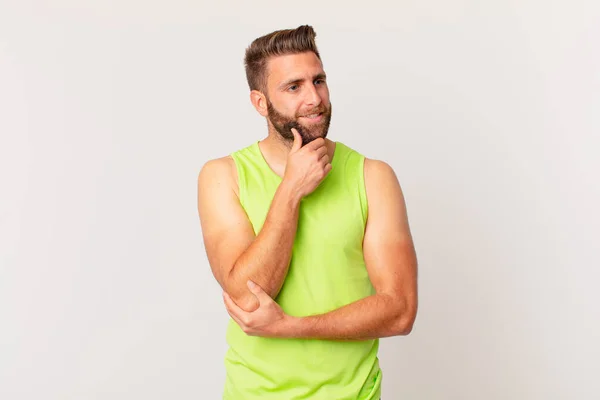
x=259, y=101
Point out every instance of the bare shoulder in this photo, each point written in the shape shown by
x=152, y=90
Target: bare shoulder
x=387, y=206
x=378, y=172
x=219, y=172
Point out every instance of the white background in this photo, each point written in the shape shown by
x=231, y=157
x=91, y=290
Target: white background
x=488, y=111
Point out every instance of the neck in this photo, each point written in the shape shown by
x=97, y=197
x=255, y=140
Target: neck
x=279, y=144
x=276, y=149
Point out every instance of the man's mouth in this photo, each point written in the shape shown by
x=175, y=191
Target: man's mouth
x=313, y=117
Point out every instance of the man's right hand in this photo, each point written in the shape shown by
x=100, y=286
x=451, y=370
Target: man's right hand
x=306, y=166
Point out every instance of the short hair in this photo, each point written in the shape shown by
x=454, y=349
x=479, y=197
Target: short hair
x=277, y=43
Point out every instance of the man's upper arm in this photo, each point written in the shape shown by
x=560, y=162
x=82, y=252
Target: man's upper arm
x=226, y=230
x=388, y=246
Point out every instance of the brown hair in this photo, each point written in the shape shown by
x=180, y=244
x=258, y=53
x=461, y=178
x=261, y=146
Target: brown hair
x=278, y=43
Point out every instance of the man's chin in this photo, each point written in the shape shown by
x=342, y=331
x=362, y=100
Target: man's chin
x=307, y=133
x=314, y=131
x=307, y=138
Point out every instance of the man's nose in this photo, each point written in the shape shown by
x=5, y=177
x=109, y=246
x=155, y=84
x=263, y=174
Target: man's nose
x=313, y=98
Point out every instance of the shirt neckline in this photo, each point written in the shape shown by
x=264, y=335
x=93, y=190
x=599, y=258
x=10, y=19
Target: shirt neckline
x=273, y=173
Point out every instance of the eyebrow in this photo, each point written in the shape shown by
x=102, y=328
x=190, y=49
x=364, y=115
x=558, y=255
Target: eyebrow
x=298, y=80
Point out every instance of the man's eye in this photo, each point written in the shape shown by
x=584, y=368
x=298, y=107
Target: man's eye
x=319, y=81
x=293, y=88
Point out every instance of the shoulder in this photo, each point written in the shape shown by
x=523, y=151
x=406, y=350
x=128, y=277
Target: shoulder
x=224, y=171
x=378, y=169
x=375, y=171
x=380, y=178
x=217, y=167
x=218, y=172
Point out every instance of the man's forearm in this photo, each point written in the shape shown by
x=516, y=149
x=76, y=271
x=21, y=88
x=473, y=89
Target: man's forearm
x=376, y=316
x=267, y=259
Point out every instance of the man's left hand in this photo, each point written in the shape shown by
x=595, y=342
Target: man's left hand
x=268, y=320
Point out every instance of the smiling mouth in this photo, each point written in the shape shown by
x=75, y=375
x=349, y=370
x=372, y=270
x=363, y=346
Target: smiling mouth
x=315, y=116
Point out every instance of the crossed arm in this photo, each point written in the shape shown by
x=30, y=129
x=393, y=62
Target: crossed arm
x=392, y=267
x=234, y=252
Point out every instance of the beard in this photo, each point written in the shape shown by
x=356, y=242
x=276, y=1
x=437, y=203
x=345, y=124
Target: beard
x=284, y=124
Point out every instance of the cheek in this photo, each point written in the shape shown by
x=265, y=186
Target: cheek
x=324, y=92
x=288, y=109
x=296, y=110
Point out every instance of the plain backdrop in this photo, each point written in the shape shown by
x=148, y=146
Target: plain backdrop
x=488, y=111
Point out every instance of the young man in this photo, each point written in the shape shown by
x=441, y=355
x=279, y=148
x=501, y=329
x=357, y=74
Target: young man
x=309, y=240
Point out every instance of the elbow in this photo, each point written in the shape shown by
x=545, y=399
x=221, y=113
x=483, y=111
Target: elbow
x=242, y=297
x=403, y=325
x=246, y=301
x=239, y=293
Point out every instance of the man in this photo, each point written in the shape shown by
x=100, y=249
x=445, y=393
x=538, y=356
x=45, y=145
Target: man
x=308, y=239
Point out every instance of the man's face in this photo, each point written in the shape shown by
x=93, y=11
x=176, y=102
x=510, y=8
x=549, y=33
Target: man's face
x=298, y=97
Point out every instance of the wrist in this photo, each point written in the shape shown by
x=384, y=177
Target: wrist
x=291, y=327
x=290, y=192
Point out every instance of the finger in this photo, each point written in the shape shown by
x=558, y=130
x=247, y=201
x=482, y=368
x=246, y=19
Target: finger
x=237, y=320
x=321, y=151
x=315, y=144
x=297, y=140
x=262, y=296
x=230, y=298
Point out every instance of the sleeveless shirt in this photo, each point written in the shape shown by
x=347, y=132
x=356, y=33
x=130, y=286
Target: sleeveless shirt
x=326, y=271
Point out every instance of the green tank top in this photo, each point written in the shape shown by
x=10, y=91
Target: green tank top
x=326, y=271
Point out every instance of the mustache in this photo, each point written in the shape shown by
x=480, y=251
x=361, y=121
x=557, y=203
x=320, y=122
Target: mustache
x=320, y=110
